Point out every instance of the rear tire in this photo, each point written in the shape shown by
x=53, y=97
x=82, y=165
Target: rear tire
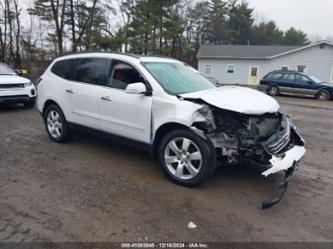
x=186, y=158
x=273, y=91
x=56, y=125
x=323, y=95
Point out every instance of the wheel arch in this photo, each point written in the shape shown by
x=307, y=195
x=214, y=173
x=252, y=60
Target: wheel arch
x=51, y=101
x=162, y=131
x=48, y=103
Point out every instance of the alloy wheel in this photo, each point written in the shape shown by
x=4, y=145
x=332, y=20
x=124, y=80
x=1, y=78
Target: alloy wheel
x=183, y=158
x=323, y=96
x=54, y=124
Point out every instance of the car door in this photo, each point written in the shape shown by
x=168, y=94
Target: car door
x=84, y=92
x=124, y=114
x=272, y=79
x=306, y=85
x=287, y=83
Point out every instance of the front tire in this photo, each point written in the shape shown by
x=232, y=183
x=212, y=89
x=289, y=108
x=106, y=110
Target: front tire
x=186, y=158
x=56, y=124
x=323, y=95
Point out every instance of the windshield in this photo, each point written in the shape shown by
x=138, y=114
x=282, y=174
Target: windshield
x=315, y=79
x=5, y=70
x=178, y=78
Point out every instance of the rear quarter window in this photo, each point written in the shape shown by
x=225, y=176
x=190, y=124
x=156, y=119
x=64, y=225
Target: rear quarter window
x=66, y=68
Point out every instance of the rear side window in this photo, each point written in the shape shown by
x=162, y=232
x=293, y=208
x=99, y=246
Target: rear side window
x=93, y=70
x=65, y=68
x=274, y=76
x=289, y=77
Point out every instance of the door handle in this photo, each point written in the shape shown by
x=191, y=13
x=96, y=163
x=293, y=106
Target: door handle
x=106, y=98
x=69, y=91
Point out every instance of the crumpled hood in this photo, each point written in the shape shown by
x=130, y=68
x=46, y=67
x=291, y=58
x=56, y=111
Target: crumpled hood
x=238, y=99
x=13, y=79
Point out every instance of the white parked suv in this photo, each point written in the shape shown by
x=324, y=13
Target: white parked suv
x=15, y=89
x=183, y=118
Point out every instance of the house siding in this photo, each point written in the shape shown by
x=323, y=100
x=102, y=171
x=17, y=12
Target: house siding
x=318, y=62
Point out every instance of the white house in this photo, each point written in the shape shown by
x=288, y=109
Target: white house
x=236, y=64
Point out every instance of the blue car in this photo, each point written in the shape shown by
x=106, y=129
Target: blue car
x=295, y=83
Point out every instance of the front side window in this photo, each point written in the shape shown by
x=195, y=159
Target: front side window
x=178, y=78
x=6, y=70
x=315, y=79
x=122, y=75
x=302, y=79
x=289, y=77
x=65, y=68
x=92, y=70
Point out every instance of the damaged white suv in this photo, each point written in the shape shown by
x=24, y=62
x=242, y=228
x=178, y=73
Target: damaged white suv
x=184, y=119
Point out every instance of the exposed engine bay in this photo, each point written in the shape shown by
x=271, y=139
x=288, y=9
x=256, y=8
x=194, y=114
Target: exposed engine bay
x=270, y=140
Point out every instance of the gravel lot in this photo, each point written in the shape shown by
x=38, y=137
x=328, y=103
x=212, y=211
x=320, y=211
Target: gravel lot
x=96, y=190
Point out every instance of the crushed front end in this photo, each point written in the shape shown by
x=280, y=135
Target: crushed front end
x=271, y=140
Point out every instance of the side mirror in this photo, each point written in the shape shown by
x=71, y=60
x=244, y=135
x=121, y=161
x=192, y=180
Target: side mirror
x=137, y=88
x=310, y=82
x=18, y=72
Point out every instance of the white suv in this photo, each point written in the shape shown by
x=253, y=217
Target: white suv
x=15, y=89
x=183, y=118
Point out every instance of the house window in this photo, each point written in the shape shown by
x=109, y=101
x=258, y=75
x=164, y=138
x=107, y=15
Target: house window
x=301, y=68
x=254, y=71
x=208, y=69
x=230, y=69
x=285, y=68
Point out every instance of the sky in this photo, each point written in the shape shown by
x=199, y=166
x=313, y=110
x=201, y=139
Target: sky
x=314, y=17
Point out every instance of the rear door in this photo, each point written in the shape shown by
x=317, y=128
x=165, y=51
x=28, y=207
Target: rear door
x=272, y=79
x=287, y=83
x=84, y=92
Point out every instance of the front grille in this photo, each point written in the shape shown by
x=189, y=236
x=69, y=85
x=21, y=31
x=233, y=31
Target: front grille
x=279, y=141
x=279, y=144
x=6, y=86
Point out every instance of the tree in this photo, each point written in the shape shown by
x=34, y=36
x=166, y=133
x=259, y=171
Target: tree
x=52, y=11
x=266, y=34
x=216, y=27
x=240, y=22
x=295, y=37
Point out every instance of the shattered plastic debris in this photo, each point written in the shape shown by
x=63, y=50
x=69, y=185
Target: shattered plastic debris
x=279, y=164
x=191, y=225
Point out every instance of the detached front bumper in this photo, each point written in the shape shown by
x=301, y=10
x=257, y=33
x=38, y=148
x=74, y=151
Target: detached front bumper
x=282, y=188
x=287, y=162
x=284, y=163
